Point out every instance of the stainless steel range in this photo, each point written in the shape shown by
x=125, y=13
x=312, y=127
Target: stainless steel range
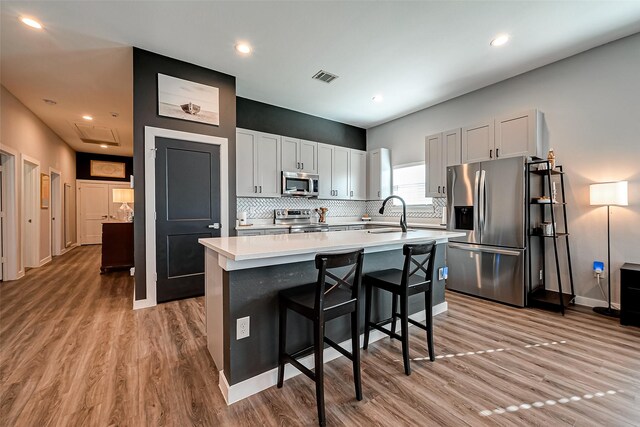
x=299, y=220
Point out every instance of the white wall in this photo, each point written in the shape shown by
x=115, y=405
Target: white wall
x=591, y=106
x=25, y=133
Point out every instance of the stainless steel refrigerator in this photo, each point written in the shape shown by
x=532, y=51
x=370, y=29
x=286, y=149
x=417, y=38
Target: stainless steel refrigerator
x=486, y=200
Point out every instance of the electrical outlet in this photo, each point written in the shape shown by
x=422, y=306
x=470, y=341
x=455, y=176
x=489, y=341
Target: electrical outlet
x=598, y=268
x=242, y=328
x=443, y=273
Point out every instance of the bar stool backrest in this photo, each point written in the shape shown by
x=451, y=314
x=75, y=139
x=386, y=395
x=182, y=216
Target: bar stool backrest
x=418, y=259
x=328, y=281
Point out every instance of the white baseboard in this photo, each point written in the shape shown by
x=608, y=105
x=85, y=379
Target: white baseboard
x=253, y=385
x=45, y=261
x=143, y=303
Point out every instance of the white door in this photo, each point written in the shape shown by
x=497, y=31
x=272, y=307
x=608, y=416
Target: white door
x=374, y=175
x=309, y=156
x=55, y=206
x=93, y=201
x=31, y=241
x=290, y=154
x=68, y=207
x=433, y=165
x=268, y=159
x=325, y=162
x=246, y=165
x=478, y=143
x=358, y=175
x=340, y=172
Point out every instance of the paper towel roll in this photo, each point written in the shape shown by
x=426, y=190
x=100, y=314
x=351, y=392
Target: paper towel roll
x=443, y=219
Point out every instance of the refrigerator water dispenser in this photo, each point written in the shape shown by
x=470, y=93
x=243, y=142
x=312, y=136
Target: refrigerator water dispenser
x=463, y=217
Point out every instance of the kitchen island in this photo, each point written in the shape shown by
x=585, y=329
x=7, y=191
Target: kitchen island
x=243, y=276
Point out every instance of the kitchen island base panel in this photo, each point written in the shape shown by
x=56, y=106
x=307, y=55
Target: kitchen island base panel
x=254, y=292
x=242, y=390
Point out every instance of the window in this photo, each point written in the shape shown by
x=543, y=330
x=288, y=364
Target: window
x=408, y=183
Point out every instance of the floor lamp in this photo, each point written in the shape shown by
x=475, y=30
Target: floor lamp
x=608, y=194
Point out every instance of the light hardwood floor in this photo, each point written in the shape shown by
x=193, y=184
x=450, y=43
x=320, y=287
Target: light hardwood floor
x=74, y=353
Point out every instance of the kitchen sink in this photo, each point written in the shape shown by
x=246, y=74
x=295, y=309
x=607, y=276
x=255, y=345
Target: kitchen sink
x=388, y=230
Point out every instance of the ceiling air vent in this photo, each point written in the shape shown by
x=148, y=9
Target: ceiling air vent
x=97, y=134
x=323, y=76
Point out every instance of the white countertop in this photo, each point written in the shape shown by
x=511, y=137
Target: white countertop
x=308, y=244
x=346, y=222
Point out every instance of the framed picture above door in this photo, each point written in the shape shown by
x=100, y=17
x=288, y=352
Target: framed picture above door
x=185, y=100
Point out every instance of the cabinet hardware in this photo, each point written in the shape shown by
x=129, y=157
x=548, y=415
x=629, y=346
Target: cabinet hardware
x=298, y=167
x=438, y=189
x=491, y=154
x=443, y=187
x=260, y=188
x=497, y=153
x=378, y=193
x=351, y=193
x=255, y=188
x=302, y=167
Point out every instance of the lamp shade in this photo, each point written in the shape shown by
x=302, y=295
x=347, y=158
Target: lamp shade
x=609, y=194
x=123, y=195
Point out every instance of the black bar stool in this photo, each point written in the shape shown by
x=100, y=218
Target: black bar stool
x=329, y=298
x=403, y=284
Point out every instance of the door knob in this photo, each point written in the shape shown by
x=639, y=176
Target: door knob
x=29, y=220
x=215, y=226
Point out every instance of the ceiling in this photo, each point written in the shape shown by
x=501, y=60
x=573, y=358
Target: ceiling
x=415, y=54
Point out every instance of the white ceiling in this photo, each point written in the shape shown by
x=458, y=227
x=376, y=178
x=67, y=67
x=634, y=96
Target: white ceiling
x=415, y=54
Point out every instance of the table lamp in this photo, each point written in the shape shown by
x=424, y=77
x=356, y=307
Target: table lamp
x=608, y=194
x=124, y=196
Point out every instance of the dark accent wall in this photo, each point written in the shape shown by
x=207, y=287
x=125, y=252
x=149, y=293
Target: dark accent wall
x=83, y=166
x=263, y=117
x=146, y=66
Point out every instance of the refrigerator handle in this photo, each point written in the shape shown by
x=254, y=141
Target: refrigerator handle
x=483, y=200
x=476, y=208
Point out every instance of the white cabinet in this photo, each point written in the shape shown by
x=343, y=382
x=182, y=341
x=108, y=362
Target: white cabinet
x=379, y=172
x=477, y=142
x=299, y=155
x=433, y=165
x=519, y=135
x=441, y=150
x=358, y=175
x=257, y=164
x=333, y=169
x=511, y=135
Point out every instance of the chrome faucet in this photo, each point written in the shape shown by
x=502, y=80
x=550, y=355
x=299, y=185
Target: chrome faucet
x=403, y=218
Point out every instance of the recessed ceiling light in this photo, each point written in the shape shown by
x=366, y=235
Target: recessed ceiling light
x=88, y=118
x=31, y=22
x=105, y=146
x=377, y=98
x=49, y=101
x=243, y=48
x=500, y=39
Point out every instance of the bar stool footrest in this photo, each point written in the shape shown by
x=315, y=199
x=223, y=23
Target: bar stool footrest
x=379, y=327
x=340, y=350
x=299, y=366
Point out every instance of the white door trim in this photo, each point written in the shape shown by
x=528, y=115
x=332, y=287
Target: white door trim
x=12, y=252
x=55, y=236
x=35, y=248
x=150, y=135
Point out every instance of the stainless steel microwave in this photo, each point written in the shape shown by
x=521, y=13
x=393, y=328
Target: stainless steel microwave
x=298, y=184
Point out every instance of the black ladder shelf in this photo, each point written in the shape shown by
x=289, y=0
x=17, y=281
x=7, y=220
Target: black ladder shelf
x=539, y=296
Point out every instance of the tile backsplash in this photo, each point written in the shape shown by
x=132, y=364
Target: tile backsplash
x=262, y=208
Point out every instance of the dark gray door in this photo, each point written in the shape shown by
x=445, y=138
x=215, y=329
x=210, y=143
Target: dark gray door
x=187, y=209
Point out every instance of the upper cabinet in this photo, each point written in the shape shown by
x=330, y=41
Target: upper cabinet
x=507, y=136
x=299, y=155
x=519, y=135
x=333, y=170
x=257, y=164
x=358, y=175
x=478, y=142
x=441, y=150
x=379, y=170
